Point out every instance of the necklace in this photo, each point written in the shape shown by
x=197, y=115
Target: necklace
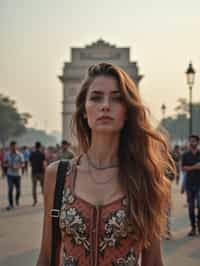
x=113, y=165
x=94, y=180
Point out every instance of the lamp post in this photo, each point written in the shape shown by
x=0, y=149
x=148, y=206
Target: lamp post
x=163, y=109
x=190, y=75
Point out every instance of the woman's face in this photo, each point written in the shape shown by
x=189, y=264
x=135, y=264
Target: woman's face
x=105, y=108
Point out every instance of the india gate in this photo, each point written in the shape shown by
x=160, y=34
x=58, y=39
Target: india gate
x=75, y=70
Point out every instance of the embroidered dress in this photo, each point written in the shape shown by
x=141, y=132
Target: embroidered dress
x=94, y=235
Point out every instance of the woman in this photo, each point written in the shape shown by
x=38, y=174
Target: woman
x=115, y=195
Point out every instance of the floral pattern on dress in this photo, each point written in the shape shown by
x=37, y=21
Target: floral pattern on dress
x=115, y=229
x=69, y=260
x=68, y=197
x=125, y=201
x=131, y=259
x=72, y=223
x=69, y=168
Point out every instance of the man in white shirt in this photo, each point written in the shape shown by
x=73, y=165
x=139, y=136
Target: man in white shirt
x=14, y=161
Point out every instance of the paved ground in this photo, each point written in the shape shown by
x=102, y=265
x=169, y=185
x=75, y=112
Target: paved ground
x=20, y=231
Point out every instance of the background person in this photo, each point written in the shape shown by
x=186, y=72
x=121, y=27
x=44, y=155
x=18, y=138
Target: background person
x=14, y=162
x=191, y=167
x=26, y=153
x=1, y=162
x=176, y=155
x=38, y=165
x=65, y=153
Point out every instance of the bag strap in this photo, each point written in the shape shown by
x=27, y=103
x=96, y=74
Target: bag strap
x=55, y=212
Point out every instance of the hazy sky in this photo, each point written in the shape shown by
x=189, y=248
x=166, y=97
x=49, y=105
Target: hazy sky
x=36, y=36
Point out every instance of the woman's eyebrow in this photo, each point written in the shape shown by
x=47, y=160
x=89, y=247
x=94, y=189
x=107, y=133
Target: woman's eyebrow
x=96, y=92
x=115, y=92
x=101, y=92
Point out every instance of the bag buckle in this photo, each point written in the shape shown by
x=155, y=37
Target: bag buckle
x=55, y=213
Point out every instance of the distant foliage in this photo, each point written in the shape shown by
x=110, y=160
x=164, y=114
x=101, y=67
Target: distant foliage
x=32, y=135
x=12, y=123
x=182, y=107
x=178, y=126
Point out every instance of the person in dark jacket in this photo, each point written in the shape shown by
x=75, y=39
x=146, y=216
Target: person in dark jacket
x=191, y=165
x=38, y=164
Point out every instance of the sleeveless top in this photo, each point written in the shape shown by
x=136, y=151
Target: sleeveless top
x=94, y=235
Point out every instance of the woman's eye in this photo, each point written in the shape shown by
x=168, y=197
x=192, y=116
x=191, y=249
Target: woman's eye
x=95, y=98
x=117, y=99
x=99, y=98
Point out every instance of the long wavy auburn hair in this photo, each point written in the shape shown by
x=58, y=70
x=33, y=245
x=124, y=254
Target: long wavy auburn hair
x=143, y=156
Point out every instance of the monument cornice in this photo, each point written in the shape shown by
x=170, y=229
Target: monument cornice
x=68, y=78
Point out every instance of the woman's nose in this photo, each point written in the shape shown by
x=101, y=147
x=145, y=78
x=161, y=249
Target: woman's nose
x=106, y=104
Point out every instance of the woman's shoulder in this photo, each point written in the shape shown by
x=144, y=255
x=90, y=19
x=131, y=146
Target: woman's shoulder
x=53, y=167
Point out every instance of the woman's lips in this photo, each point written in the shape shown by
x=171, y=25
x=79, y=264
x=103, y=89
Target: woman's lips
x=105, y=118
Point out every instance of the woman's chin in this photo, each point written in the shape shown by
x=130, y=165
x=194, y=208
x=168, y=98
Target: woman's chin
x=106, y=130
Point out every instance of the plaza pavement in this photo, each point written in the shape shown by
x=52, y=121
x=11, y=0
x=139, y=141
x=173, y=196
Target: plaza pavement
x=21, y=228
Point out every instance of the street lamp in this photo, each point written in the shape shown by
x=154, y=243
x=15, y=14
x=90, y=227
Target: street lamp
x=163, y=109
x=190, y=75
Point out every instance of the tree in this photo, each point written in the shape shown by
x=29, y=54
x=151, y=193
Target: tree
x=178, y=125
x=182, y=107
x=12, y=123
x=32, y=135
x=196, y=118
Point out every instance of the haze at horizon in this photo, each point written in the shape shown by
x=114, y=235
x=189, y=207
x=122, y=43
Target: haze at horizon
x=36, y=38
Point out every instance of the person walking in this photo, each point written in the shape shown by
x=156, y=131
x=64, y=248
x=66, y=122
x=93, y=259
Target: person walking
x=1, y=162
x=65, y=153
x=115, y=196
x=26, y=154
x=191, y=167
x=38, y=165
x=176, y=155
x=14, y=162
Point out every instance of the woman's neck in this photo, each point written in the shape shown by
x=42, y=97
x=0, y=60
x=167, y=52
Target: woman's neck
x=104, y=149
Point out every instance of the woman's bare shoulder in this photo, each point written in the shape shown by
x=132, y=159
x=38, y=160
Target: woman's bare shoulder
x=52, y=169
x=50, y=176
